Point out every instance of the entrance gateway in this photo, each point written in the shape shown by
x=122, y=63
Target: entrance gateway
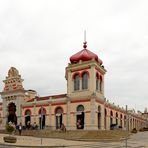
x=59, y=112
x=80, y=117
x=12, y=113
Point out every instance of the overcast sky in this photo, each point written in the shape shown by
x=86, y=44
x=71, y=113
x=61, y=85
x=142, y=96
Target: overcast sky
x=38, y=37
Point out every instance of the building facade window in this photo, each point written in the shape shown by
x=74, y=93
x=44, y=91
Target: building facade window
x=80, y=108
x=100, y=83
x=97, y=85
x=76, y=82
x=85, y=81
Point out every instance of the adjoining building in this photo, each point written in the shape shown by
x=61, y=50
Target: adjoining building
x=83, y=107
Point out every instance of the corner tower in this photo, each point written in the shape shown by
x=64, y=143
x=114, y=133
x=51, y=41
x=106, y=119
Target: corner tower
x=13, y=96
x=85, y=89
x=85, y=74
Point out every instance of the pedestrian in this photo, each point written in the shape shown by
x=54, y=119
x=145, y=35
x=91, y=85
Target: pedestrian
x=20, y=128
x=63, y=128
x=28, y=125
x=79, y=125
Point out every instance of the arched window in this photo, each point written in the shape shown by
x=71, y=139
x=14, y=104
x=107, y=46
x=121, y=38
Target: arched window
x=100, y=83
x=97, y=81
x=58, y=110
x=80, y=108
x=42, y=111
x=28, y=112
x=76, y=82
x=99, y=109
x=85, y=81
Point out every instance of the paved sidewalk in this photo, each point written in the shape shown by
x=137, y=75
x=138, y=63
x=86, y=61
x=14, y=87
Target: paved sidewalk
x=28, y=141
x=136, y=141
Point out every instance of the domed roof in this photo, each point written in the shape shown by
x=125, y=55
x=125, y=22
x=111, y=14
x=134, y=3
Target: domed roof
x=84, y=55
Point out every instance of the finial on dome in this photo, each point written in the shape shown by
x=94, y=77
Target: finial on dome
x=84, y=46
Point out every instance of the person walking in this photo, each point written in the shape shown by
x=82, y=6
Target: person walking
x=63, y=128
x=20, y=128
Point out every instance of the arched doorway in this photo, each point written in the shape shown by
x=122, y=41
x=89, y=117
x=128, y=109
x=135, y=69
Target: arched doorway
x=58, y=113
x=28, y=118
x=125, y=122
x=116, y=118
x=120, y=120
x=11, y=113
x=99, y=117
x=42, y=117
x=111, y=119
x=80, y=117
x=105, y=116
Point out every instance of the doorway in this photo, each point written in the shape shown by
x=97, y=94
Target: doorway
x=28, y=119
x=59, y=117
x=11, y=113
x=42, y=117
x=99, y=117
x=80, y=117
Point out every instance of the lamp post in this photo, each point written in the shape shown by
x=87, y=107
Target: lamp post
x=127, y=118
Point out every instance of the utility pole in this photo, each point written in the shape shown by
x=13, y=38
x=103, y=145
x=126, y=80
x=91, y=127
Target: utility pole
x=127, y=118
x=41, y=123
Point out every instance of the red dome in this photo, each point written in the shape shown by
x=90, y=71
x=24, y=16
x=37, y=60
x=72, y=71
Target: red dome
x=84, y=55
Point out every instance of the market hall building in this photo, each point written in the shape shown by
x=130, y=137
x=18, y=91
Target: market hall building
x=83, y=107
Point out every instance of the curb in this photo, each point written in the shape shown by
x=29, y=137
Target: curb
x=12, y=145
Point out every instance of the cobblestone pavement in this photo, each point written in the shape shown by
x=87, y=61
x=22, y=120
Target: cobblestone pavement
x=139, y=140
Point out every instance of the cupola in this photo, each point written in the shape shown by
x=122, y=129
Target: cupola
x=84, y=55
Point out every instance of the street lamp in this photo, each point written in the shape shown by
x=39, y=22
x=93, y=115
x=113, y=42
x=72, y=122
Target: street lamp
x=126, y=126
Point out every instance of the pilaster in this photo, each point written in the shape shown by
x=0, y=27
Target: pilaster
x=34, y=112
x=102, y=117
x=93, y=114
x=68, y=114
